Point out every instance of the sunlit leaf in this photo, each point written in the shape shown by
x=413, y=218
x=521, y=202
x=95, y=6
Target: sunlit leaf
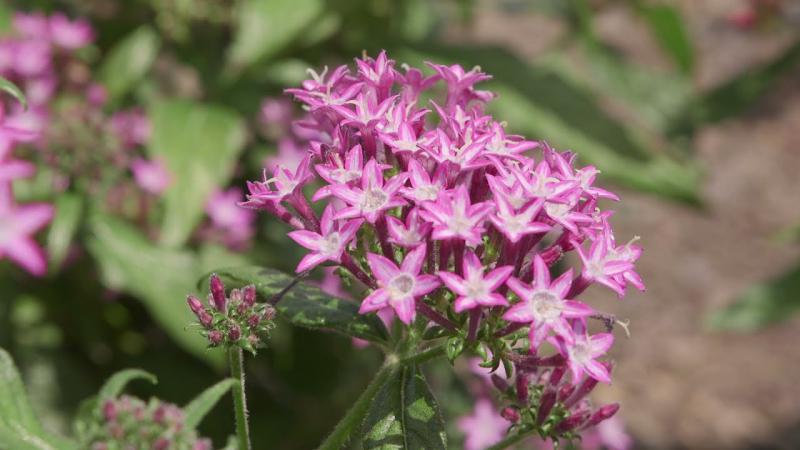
x=667, y=26
x=12, y=89
x=200, y=144
x=129, y=61
x=69, y=211
x=305, y=305
x=197, y=409
x=404, y=415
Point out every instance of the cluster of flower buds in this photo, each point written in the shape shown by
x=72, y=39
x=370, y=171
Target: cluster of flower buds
x=235, y=319
x=130, y=423
x=441, y=213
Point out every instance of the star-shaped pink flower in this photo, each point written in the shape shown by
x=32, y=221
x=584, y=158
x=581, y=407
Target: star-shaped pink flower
x=329, y=243
x=582, y=353
x=455, y=217
x=17, y=226
x=476, y=288
x=374, y=197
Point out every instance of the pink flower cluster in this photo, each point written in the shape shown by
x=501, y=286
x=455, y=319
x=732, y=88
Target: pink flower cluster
x=438, y=210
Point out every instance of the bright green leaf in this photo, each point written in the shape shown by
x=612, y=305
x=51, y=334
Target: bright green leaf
x=305, y=305
x=200, y=144
x=203, y=403
x=129, y=61
x=114, y=386
x=762, y=305
x=69, y=211
x=14, y=91
x=265, y=27
x=667, y=26
x=404, y=415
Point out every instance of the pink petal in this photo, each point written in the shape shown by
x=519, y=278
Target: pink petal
x=405, y=309
x=383, y=269
x=598, y=371
x=521, y=312
x=310, y=261
x=414, y=259
x=541, y=273
x=562, y=284
x=374, y=301
x=496, y=277
x=31, y=217
x=521, y=289
x=464, y=303
x=601, y=343
x=25, y=252
x=425, y=284
x=454, y=282
x=307, y=239
x=573, y=309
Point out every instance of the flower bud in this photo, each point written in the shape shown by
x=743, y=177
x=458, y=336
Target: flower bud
x=522, y=388
x=215, y=337
x=499, y=382
x=249, y=295
x=253, y=321
x=572, y=422
x=109, y=411
x=205, y=319
x=602, y=413
x=510, y=414
x=234, y=333
x=217, y=293
x=235, y=296
x=581, y=391
x=195, y=305
x=161, y=443
x=269, y=313
x=545, y=406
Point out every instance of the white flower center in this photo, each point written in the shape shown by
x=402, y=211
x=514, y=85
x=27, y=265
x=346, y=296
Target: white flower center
x=546, y=306
x=581, y=353
x=477, y=289
x=459, y=224
x=344, y=176
x=373, y=200
x=429, y=192
x=557, y=209
x=401, y=286
x=330, y=244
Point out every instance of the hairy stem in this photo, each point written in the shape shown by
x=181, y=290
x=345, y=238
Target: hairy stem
x=236, y=361
x=341, y=434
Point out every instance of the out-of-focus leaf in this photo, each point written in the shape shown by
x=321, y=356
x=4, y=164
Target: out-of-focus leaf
x=5, y=17
x=667, y=26
x=736, y=95
x=205, y=401
x=200, y=145
x=19, y=426
x=305, y=305
x=404, y=415
x=265, y=27
x=13, y=90
x=419, y=18
x=762, y=305
x=69, y=209
x=117, y=382
x=537, y=102
x=129, y=61
x=160, y=277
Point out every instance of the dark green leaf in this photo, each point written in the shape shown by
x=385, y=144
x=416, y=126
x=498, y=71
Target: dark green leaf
x=404, y=415
x=667, y=26
x=13, y=90
x=117, y=382
x=129, y=61
x=203, y=403
x=200, y=145
x=69, y=211
x=305, y=305
x=265, y=27
x=762, y=305
x=454, y=348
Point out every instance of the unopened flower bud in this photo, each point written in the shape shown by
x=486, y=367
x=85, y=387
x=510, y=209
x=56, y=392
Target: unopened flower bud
x=234, y=333
x=269, y=313
x=249, y=295
x=253, y=321
x=161, y=444
x=205, y=319
x=195, y=305
x=235, y=296
x=217, y=293
x=581, y=391
x=565, y=391
x=510, y=414
x=545, y=406
x=499, y=382
x=215, y=337
x=522, y=388
x=109, y=411
x=602, y=413
x=572, y=422
x=556, y=375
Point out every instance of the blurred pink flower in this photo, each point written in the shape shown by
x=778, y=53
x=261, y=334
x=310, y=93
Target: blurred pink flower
x=230, y=218
x=70, y=34
x=484, y=428
x=132, y=127
x=152, y=176
x=17, y=226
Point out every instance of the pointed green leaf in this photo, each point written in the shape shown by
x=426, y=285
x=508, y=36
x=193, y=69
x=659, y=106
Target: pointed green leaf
x=14, y=91
x=305, y=305
x=404, y=415
x=69, y=211
x=117, y=382
x=129, y=61
x=265, y=27
x=203, y=403
x=668, y=28
x=200, y=144
x=762, y=305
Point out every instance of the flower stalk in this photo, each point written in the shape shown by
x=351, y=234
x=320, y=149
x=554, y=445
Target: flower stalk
x=236, y=362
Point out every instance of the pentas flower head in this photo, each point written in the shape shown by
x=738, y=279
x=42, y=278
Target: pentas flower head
x=152, y=176
x=417, y=192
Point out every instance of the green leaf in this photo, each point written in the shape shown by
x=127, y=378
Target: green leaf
x=203, y=403
x=668, y=28
x=454, y=348
x=117, y=382
x=736, y=95
x=129, y=61
x=14, y=91
x=19, y=426
x=200, y=144
x=762, y=305
x=265, y=27
x=305, y=305
x=69, y=211
x=160, y=277
x=404, y=415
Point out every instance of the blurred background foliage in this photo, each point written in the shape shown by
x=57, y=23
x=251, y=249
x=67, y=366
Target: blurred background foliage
x=200, y=68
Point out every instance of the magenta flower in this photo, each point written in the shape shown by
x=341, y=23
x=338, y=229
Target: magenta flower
x=515, y=225
x=476, y=289
x=502, y=145
x=34, y=25
x=410, y=234
x=454, y=216
x=68, y=34
x=582, y=354
x=283, y=183
x=336, y=171
x=603, y=266
x=132, y=127
x=225, y=214
x=423, y=187
x=399, y=287
x=374, y=197
x=544, y=305
x=17, y=226
x=152, y=176
x=329, y=243
x=484, y=428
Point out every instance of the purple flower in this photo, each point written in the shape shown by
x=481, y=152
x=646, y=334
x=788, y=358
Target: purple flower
x=17, y=226
x=68, y=34
x=374, y=197
x=423, y=187
x=283, y=183
x=337, y=171
x=516, y=225
x=410, y=234
x=152, y=176
x=399, y=287
x=582, y=353
x=476, y=289
x=226, y=215
x=454, y=216
x=329, y=243
x=603, y=266
x=544, y=306
x=484, y=427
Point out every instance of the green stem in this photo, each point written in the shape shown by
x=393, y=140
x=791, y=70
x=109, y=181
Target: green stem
x=236, y=361
x=426, y=355
x=511, y=440
x=338, y=438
